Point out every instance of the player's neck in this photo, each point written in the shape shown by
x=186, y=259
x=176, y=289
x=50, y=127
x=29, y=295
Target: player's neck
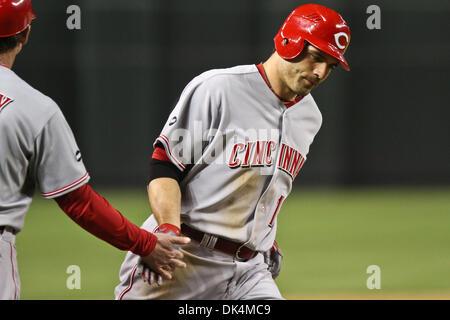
x=275, y=81
x=7, y=60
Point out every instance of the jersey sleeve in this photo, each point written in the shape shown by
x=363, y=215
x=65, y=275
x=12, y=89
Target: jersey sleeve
x=58, y=165
x=191, y=125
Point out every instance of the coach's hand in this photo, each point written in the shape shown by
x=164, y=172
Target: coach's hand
x=166, y=257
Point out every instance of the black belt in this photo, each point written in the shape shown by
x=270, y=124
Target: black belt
x=240, y=251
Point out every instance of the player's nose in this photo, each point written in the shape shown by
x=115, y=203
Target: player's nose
x=320, y=70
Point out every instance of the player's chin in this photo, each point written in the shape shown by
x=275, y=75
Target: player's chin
x=304, y=88
x=303, y=91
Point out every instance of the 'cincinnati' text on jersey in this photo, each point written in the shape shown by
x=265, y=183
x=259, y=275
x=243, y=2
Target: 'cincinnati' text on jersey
x=261, y=153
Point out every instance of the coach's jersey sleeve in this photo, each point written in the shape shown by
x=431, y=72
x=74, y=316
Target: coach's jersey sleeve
x=191, y=125
x=58, y=165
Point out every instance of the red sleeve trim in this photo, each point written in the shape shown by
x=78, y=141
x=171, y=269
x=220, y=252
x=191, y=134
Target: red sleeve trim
x=93, y=213
x=59, y=191
x=165, y=142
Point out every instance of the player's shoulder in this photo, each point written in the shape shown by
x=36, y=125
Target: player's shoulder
x=219, y=78
x=235, y=71
x=29, y=109
x=25, y=97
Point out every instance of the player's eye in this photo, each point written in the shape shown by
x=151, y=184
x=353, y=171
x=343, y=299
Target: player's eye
x=316, y=57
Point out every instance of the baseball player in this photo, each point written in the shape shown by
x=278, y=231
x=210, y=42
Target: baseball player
x=226, y=160
x=39, y=149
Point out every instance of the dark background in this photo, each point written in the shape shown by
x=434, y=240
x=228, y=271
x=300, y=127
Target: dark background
x=385, y=123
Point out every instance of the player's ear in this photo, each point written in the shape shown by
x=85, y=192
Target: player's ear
x=24, y=35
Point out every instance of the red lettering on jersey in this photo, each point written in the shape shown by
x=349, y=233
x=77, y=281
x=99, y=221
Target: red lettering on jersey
x=284, y=161
x=252, y=154
x=234, y=161
x=295, y=162
x=270, y=146
x=283, y=146
x=4, y=101
x=299, y=167
x=247, y=154
x=258, y=156
x=287, y=158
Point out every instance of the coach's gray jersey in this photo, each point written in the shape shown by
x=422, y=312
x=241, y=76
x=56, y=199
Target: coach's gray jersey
x=243, y=149
x=37, y=147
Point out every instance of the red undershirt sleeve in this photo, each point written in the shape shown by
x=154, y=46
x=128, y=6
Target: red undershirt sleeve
x=96, y=215
x=162, y=167
x=160, y=154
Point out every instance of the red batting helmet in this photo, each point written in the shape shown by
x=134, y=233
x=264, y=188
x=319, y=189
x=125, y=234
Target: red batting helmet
x=15, y=16
x=320, y=26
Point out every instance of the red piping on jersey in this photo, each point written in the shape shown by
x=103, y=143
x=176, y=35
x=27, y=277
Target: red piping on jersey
x=263, y=75
x=130, y=285
x=3, y=65
x=280, y=200
x=55, y=192
x=165, y=141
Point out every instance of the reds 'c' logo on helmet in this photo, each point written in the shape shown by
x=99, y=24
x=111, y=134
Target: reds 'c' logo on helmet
x=320, y=26
x=338, y=36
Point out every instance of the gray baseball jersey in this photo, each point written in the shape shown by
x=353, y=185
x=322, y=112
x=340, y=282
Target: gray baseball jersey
x=37, y=149
x=243, y=148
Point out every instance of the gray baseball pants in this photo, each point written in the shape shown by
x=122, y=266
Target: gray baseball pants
x=9, y=275
x=209, y=275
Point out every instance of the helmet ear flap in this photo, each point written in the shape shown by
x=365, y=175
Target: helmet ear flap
x=288, y=48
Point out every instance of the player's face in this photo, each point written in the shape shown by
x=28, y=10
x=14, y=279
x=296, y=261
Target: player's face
x=307, y=71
